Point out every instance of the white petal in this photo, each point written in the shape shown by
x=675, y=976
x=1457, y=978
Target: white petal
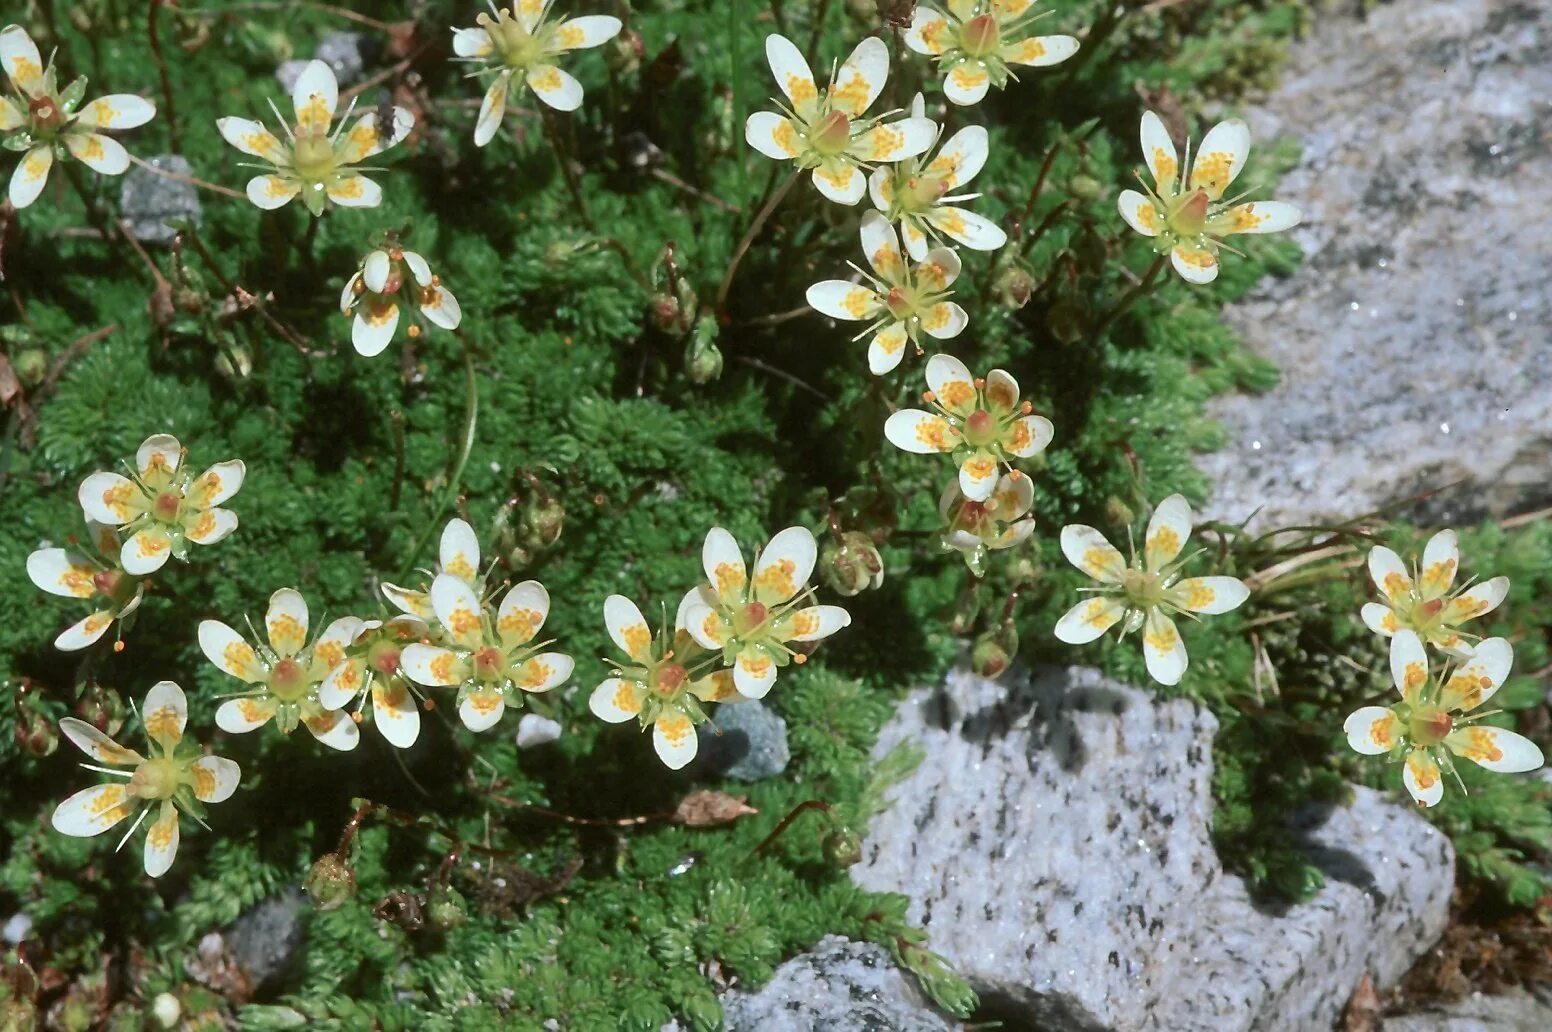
x=97, y=745
x=1162, y=648
x=492, y=109
x=430, y=665
x=1482, y=598
x=1158, y=150
x=147, y=551
x=415, y=603
x=239, y=716
x=1089, y=619
x=556, y=87
x=1379, y=618
x=674, y=738
x=30, y=175
x=250, y=137
x=61, y=572
x=791, y=71
x=962, y=157
x=481, y=711
x=1167, y=531
x=457, y=609
x=895, y=141
x=544, y=672
x=458, y=551
x=920, y=432
x=1220, y=157
x=1256, y=217
x=1408, y=664
x=887, y=348
x=945, y=320
x=93, y=811
x=704, y=625
x=341, y=633
x=84, y=632
x=355, y=191
x=882, y=247
x=1441, y=559
x=286, y=622
x=785, y=565
x=1139, y=212
x=1373, y=730
x=1194, y=264
x=1040, y=51
x=395, y=713
x=98, y=152
x=1421, y=777
x=159, y=455
x=343, y=684
x=1211, y=595
x=211, y=526
x=978, y=476
x=334, y=729
x=772, y=135
x=315, y=96
x=472, y=43
x=418, y=266
x=753, y=674
x=1478, y=679
x=723, y=562
x=270, y=192
x=1389, y=574
x=861, y=78
x=950, y=381
x=165, y=713
x=1028, y=436
x=627, y=627
x=843, y=299
x=1495, y=748
x=19, y=54
x=522, y=612
x=218, y=483
x=440, y=307
x=161, y=844
x=974, y=231
x=928, y=33
x=590, y=31
x=815, y=622
x=227, y=650
x=1088, y=550
x=966, y=83
x=215, y=779
x=840, y=182
x=881, y=188
x=107, y=497
x=372, y=331
x=940, y=268
x=615, y=701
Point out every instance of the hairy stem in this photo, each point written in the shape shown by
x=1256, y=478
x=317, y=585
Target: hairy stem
x=471, y=417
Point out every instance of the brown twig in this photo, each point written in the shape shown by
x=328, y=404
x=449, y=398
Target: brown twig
x=665, y=176
x=398, y=68
x=786, y=822
x=154, y=8
x=179, y=177
x=243, y=298
x=749, y=236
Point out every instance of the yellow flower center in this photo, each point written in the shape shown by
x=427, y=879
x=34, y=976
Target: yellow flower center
x=156, y=779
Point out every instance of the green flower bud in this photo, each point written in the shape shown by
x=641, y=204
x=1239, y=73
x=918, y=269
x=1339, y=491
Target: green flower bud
x=1067, y=322
x=31, y=365
x=853, y=565
x=446, y=908
x=1014, y=287
x=234, y=362
x=993, y=652
x=1118, y=513
x=101, y=707
x=35, y=729
x=625, y=52
x=663, y=310
x=544, y=518
x=702, y=361
x=331, y=882
x=1085, y=188
x=842, y=847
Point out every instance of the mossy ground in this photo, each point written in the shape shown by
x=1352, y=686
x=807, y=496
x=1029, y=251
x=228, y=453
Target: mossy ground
x=349, y=461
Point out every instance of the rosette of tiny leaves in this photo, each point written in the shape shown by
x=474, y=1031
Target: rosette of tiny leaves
x=980, y=421
x=458, y=554
x=973, y=528
x=656, y=685
x=162, y=505
x=491, y=656
x=386, y=277
x=825, y=130
x=1188, y=217
x=1422, y=600
x=310, y=162
x=373, y=669
x=284, y=675
x=523, y=44
x=917, y=193
x=975, y=42
x=45, y=122
x=752, y=621
x=903, y=301
x=101, y=578
x=178, y=776
x=1437, y=718
x=1146, y=592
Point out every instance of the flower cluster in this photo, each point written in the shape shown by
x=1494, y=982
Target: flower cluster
x=387, y=276
x=975, y=41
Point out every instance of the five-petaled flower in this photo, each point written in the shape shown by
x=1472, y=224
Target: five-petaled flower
x=980, y=421
x=79, y=574
x=1424, y=602
x=373, y=668
x=1434, y=718
x=458, y=553
x=1187, y=217
x=521, y=42
x=163, y=506
x=976, y=40
x=973, y=528
x=655, y=684
x=825, y=130
x=46, y=122
x=491, y=656
x=309, y=161
x=904, y=300
x=915, y=192
x=750, y=621
x=284, y=675
x=177, y=776
x=1145, y=592
x=386, y=276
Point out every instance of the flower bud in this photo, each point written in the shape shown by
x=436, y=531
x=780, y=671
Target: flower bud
x=544, y=519
x=31, y=365
x=625, y=52
x=853, y=565
x=1118, y=513
x=446, y=908
x=702, y=361
x=1066, y=322
x=331, y=882
x=1085, y=188
x=101, y=707
x=993, y=651
x=1014, y=287
x=842, y=847
x=35, y=729
x=663, y=310
x=234, y=361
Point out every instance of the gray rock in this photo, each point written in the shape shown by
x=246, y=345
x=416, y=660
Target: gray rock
x=148, y=202
x=265, y=940
x=345, y=52
x=1511, y=1012
x=534, y=730
x=1414, y=342
x=1055, y=844
x=288, y=73
x=838, y=986
x=752, y=743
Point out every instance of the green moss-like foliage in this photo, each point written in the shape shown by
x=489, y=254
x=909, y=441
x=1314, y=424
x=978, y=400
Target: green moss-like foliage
x=587, y=401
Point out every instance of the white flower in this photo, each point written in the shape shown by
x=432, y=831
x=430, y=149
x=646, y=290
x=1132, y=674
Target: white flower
x=310, y=162
x=177, y=776
x=751, y=622
x=46, y=123
x=915, y=193
x=1431, y=722
x=1188, y=217
x=1424, y=603
x=903, y=301
x=283, y=676
x=655, y=685
x=373, y=668
x=164, y=505
x=976, y=40
x=825, y=131
x=520, y=43
x=374, y=291
x=491, y=656
x=981, y=422
x=973, y=528
x=1145, y=592
x=74, y=574
x=458, y=554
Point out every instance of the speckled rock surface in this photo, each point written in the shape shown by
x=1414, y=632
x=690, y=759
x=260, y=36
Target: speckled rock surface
x=1416, y=341
x=746, y=741
x=1511, y=1012
x=148, y=202
x=1056, y=847
x=838, y=986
